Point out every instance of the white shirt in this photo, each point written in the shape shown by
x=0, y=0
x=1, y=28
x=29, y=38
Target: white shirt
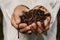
x=10, y=33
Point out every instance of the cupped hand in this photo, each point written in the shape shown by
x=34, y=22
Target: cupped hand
x=16, y=20
x=43, y=26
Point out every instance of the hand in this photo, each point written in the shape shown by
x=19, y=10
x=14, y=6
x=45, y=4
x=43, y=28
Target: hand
x=46, y=26
x=24, y=28
x=40, y=29
x=16, y=21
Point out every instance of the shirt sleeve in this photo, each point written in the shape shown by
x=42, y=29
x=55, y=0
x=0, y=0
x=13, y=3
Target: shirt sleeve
x=0, y=3
x=55, y=5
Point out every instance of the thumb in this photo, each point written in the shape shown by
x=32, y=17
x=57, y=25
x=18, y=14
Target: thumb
x=17, y=19
x=17, y=13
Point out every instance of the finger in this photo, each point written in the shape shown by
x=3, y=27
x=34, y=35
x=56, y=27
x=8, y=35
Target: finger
x=33, y=26
x=23, y=7
x=29, y=32
x=17, y=13
x=18, y=10
x=13, y=22
x=47, y=28
x=39, y=25
x=40, y=28
x=47, y=21
x=39, y=31
x=17, y=18
x=36, y=7
x=22, y=25
x=25, y=29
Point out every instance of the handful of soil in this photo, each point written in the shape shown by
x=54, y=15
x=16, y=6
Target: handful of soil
x=33, y=16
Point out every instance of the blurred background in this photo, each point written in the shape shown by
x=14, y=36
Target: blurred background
x=1, y=26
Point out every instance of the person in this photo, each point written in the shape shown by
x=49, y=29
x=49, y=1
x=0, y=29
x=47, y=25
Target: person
x=10, y=33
